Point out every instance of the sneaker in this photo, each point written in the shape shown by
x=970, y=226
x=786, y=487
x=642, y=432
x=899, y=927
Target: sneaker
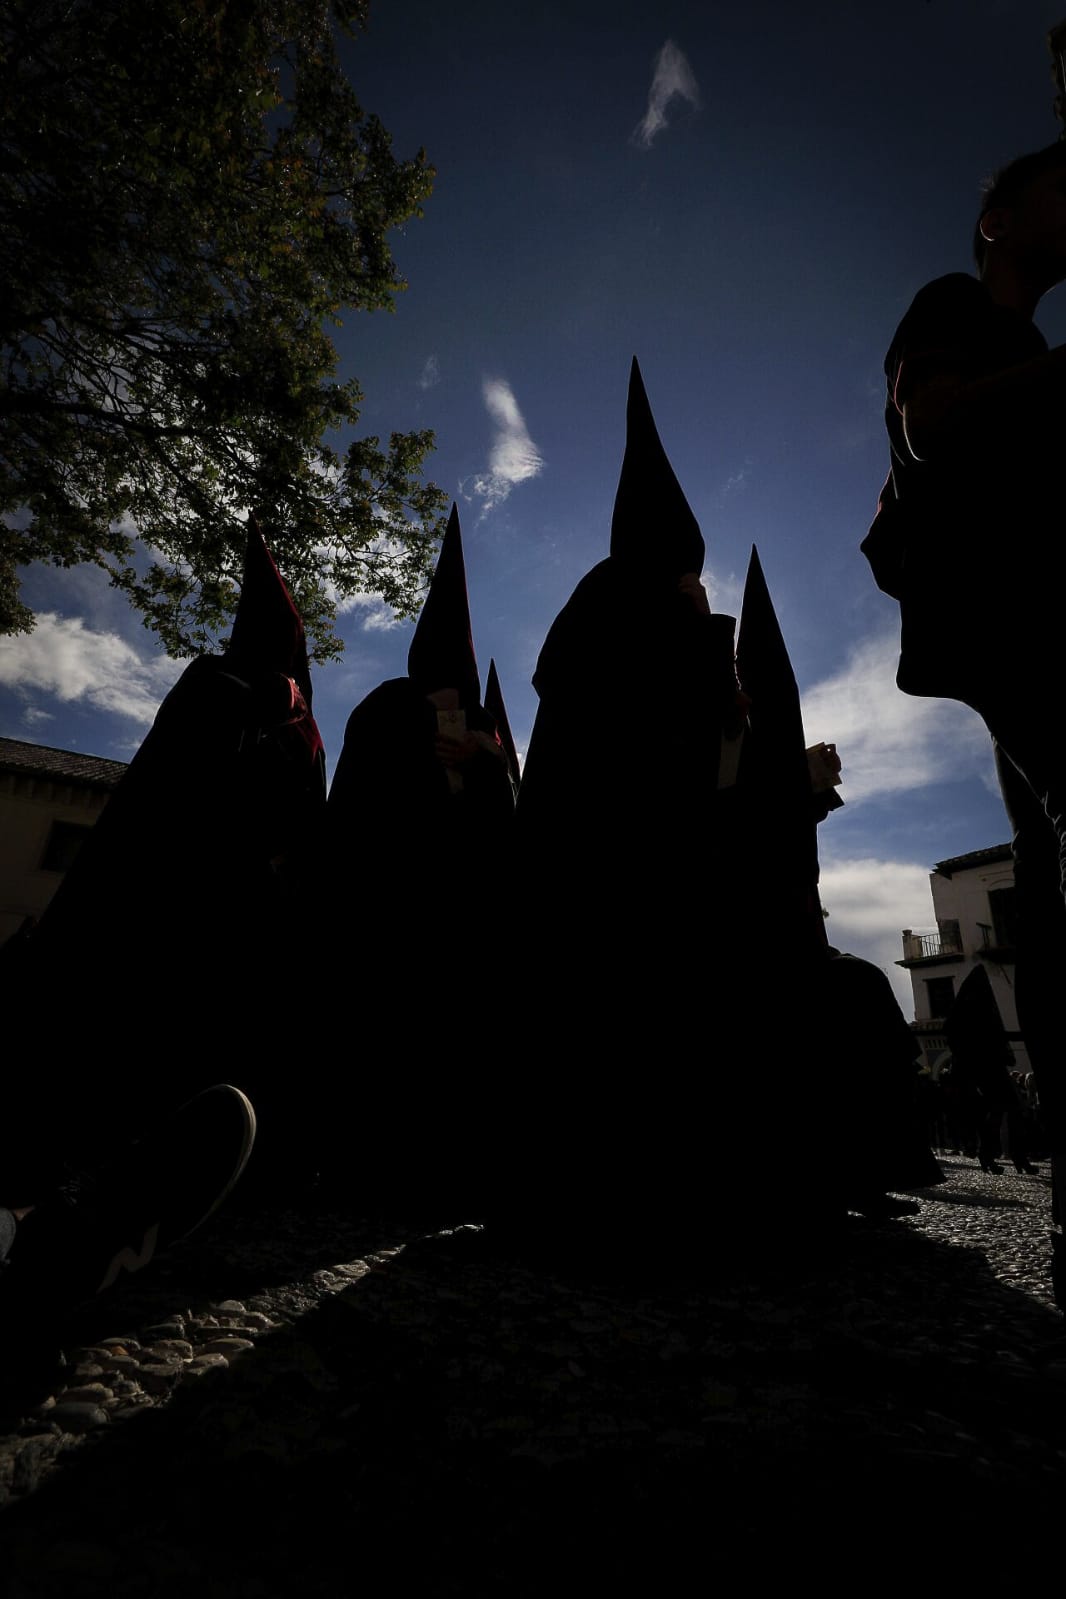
x=157, y=1192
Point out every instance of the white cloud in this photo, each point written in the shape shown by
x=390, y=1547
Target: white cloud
x=33, y=715
x=377, y=616
x=891, y=742
x=870, y=902
x=724, y=591
x=868, y=895
x=79, y=666
x=672, y=77
x=514, y=458
x=430, y=373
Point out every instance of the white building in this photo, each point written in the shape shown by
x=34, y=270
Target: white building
x=49, y=799
x=973, y=904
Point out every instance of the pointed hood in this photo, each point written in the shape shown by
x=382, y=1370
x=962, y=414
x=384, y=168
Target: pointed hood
x=442, y=650
x=498, y=711
x=974, y=1022
x=268, y=633
x=773, y=763
x=653, y=524
x=980, y=1048
x=763, y=666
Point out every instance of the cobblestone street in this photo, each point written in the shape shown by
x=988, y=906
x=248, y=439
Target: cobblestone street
x=308, y=1404
x=1007, y=1218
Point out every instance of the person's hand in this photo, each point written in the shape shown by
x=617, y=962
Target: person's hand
x=456, y=752
x=830, y=756
x=824, y=765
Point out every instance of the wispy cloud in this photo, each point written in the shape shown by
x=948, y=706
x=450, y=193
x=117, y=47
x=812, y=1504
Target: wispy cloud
x=430, y=375
x=377, y=617
x=514, y=458
x=737, y=481
x=724, y=591
x=891, y=742
x=672, y=78
x=65, y=658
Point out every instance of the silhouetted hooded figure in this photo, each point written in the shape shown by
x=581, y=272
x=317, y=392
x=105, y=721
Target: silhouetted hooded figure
x=865, y=1123
x=981, y=1059
x=635, y=679
x=442, y=649
x=419, y=816
x=775, y=802
x=268, y=631
x=226, y=786
x=282, y=765
x=618, y=800
x=980, y=1048
x=421, y=796
x=183, y=894
x=496, y=708
x=881, y=1138
x=770, y=877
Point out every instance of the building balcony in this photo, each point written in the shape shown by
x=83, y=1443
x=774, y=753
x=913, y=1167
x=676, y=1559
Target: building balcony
x=928, y=949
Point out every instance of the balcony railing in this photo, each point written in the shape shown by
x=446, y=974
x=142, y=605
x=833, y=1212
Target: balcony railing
x=929, y=946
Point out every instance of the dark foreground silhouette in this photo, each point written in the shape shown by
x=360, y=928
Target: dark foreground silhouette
x=451, y=1421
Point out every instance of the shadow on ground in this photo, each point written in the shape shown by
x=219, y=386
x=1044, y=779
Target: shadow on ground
x=454, y=1422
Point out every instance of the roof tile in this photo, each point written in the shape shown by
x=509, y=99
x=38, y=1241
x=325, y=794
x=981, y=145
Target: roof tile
x=67, y=766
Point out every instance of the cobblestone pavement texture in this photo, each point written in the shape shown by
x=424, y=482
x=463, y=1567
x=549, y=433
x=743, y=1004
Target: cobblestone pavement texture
x=310, y=1404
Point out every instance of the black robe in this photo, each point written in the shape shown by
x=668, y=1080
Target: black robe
x=168, y=957
x=616, y=838
x=396, y=821
x=881, y=1141
x=622, y=770
x=417, y=871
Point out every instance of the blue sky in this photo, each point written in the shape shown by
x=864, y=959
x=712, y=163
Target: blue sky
x=744, y=196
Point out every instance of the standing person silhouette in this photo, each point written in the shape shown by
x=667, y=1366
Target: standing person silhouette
x=968, y=537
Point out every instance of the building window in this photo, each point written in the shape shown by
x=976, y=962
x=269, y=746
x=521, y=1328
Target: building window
x=941, y=993
x=64, y=842
x=1001, y=905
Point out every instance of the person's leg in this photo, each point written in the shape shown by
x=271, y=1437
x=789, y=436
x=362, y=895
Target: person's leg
x=988, y=1146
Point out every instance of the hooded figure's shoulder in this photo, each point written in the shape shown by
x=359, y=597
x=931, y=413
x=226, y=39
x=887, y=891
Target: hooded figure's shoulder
x=585, y=635
x=397, y=696
x=945, y=312
x=951, y=288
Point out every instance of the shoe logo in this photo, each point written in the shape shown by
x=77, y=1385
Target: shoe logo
x=128, y=1260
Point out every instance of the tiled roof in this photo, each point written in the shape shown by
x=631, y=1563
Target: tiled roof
x=976, y=857
x=65, y=766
